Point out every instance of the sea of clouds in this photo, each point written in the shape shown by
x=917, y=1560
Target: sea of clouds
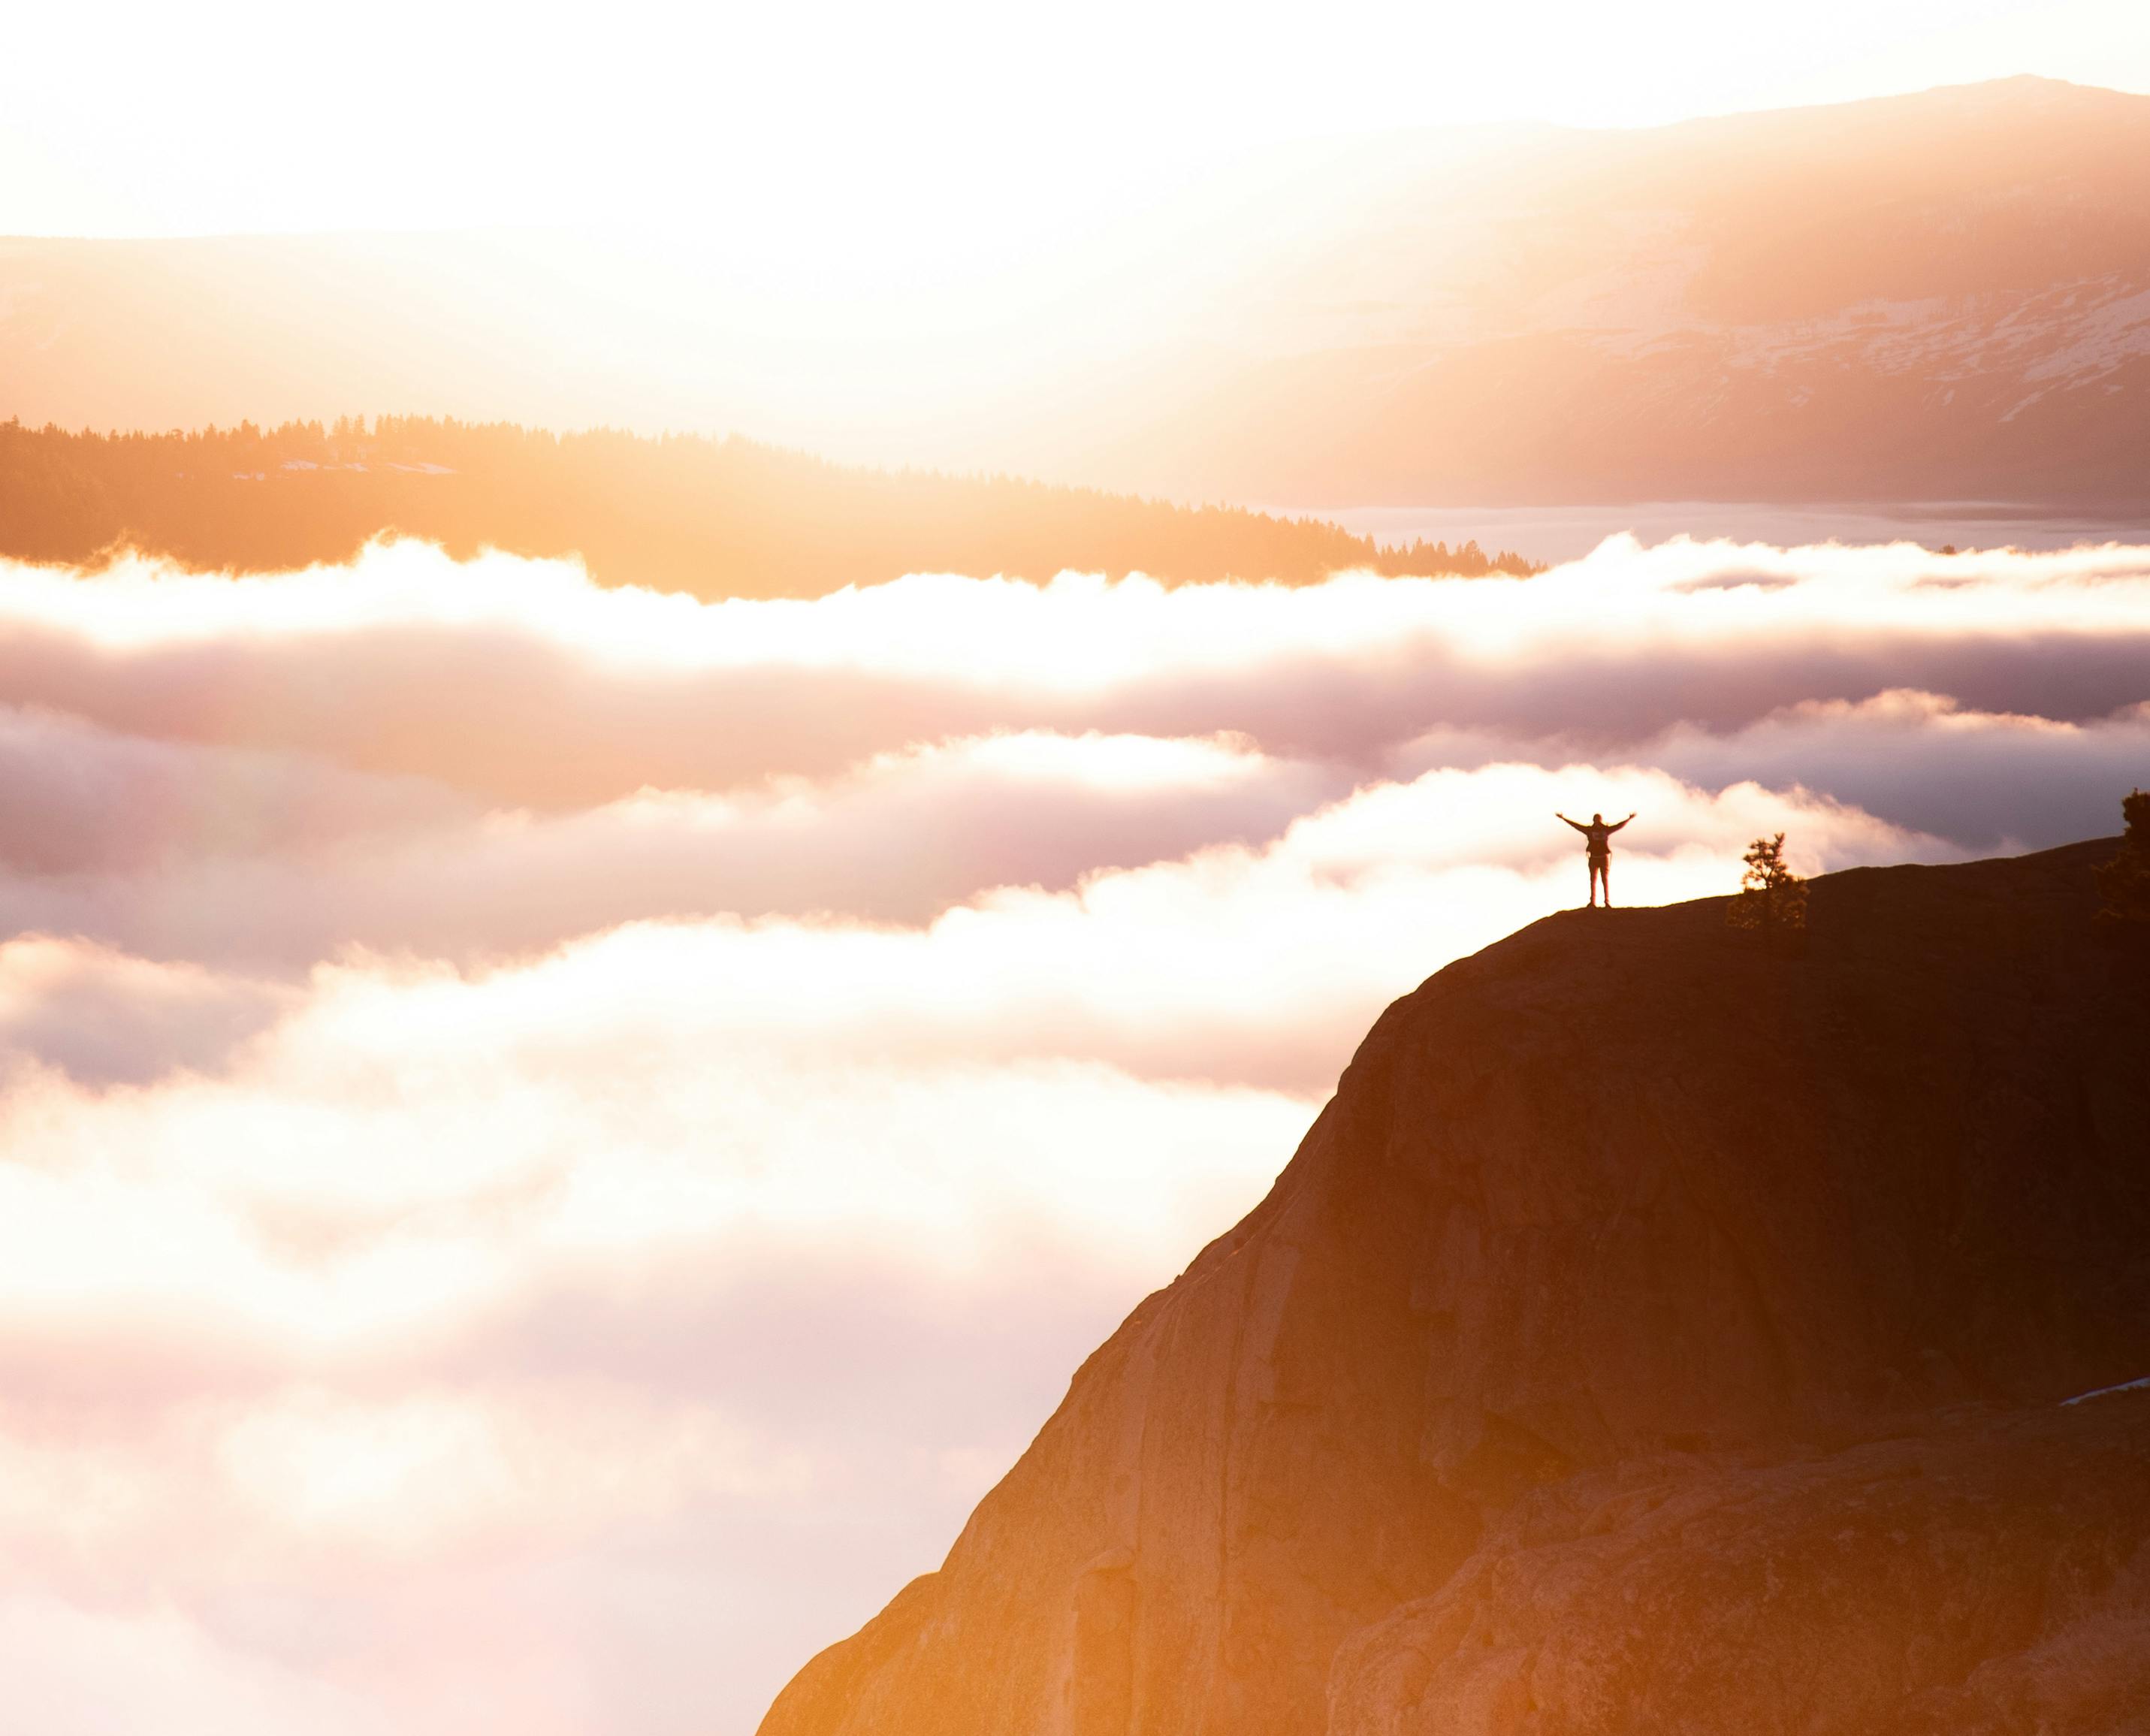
x=553, y=1140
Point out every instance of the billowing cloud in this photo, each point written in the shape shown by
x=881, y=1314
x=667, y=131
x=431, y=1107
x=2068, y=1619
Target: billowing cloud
x=400, y=864
x=1229, y=960
x=1996, y=780
x=522, y=685
x=553, y=1141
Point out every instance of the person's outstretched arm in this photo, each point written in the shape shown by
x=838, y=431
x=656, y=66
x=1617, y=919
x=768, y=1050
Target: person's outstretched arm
x=1564, y=819
x=1612, y=828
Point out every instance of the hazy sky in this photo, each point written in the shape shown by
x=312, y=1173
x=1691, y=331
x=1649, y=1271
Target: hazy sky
x=123, y=117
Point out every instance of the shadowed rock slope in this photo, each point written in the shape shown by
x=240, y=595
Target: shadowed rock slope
x=1650, y=1335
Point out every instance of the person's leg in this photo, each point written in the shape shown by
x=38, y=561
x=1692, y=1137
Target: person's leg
x=1605, y=874
x=1596, y=873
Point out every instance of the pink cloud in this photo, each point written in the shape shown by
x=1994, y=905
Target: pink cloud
x=555, y=1139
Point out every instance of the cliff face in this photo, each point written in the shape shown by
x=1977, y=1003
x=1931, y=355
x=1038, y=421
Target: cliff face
x=1626, y=1262
x=1989, y=1573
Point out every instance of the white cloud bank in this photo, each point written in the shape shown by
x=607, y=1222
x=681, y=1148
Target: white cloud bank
x=518, y=683
x=553, y=1140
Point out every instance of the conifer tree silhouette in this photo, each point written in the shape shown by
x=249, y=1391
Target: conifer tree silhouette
x=1772, y=900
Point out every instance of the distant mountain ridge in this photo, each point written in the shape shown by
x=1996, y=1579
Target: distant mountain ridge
x=1944, y=296
x=1941, y=296
x=1651, y=1334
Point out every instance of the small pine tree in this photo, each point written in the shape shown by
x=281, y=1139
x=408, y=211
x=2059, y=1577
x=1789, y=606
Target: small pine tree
x=2125, y=881
x=1773, y=899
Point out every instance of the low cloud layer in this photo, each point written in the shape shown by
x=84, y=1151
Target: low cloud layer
x=519, y=684
x=556, y=1140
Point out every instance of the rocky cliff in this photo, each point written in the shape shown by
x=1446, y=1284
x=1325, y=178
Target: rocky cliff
x=1651, y=1334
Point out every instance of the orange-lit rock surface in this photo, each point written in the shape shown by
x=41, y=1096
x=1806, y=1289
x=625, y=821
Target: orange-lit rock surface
x=1651, y=1334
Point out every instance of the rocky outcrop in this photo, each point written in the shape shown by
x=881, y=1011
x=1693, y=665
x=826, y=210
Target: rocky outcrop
x=1626, y=1260
x=1992, y=1573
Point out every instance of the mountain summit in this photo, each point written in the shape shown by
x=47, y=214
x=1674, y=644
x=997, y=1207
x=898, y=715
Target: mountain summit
x=1651, y=1334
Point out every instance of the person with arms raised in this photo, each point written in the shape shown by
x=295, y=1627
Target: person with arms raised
x=1600, y=837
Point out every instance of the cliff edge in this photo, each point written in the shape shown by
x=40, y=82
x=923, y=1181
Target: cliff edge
x=1651, y=1334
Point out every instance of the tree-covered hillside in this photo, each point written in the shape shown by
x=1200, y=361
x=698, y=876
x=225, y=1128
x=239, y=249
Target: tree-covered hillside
x=714, y=517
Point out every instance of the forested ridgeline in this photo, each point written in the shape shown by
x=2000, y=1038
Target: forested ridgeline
x=714, y=518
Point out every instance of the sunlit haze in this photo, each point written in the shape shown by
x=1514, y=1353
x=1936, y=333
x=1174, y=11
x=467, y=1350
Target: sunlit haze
x=849, y=132
x=716, y=724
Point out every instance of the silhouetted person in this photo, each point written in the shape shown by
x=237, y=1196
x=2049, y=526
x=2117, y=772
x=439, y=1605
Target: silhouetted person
x=1600, y=835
